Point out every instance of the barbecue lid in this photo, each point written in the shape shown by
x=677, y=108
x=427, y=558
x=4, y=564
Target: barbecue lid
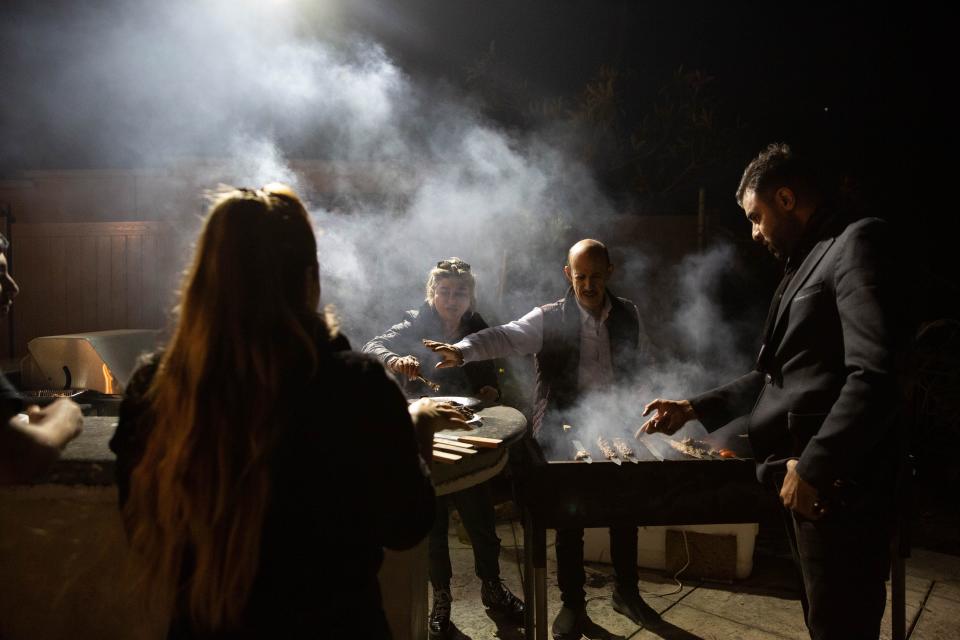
x=99, y=360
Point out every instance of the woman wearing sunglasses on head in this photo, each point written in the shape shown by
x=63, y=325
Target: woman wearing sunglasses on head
x=447, y=315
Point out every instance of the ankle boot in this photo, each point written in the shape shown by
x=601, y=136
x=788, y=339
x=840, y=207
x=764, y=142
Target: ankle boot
x=439, y=620
x=496, y=596
x=629, y=603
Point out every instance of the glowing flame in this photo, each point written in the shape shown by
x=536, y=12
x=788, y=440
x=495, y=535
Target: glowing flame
x=107, y=380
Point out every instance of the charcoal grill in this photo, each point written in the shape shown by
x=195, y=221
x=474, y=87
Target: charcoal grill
x=563, y=493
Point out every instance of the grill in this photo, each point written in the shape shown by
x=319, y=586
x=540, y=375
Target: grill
x=556, y=491
x=89, y=368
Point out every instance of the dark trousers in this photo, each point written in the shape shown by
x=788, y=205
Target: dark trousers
x=844, y=560
x=570, y=574
x=475, y=506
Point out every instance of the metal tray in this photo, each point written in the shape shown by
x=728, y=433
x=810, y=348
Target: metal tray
x=467, y=401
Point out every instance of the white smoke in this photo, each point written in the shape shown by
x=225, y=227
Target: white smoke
x=397, y=175
x=704, y=352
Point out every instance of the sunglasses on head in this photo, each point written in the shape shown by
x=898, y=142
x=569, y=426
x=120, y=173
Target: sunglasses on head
x=453, y=265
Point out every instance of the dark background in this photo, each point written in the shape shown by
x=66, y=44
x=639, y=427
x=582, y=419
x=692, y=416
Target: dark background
x=865, y=87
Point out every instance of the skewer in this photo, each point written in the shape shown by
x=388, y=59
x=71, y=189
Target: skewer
x=433, y=385
x=608, y=451
x=445, y=457
x=446, y=436
x=477, y=441
x=579, y=447
x=438, y=438
x=452, y=448
x=625, y=451
x=450, y=443
x=483, y=443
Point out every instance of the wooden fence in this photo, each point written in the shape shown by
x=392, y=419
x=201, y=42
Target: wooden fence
x=89, y=276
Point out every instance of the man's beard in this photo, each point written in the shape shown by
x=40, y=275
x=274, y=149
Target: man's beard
x=776, y=253
x=772, y=249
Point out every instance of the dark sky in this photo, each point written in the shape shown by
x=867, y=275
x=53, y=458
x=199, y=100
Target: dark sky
x=853, y=74
x=864, y=84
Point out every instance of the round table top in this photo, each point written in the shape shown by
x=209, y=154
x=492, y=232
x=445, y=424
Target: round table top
x=505, y=423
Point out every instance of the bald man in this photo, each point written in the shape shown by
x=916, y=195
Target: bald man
x=589, y=339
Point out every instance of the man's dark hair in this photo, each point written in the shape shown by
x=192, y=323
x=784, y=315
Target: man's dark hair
x=4, y=243
x=778, y=166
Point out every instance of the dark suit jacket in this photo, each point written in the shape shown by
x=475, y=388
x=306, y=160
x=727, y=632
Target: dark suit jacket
x=829, y=392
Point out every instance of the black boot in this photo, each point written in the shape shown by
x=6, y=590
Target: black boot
x=630, y=604
x=439, y=621
x=570, y=623
x=496, y=596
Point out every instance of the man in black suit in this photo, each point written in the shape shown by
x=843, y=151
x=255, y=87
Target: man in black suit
x=823, y=399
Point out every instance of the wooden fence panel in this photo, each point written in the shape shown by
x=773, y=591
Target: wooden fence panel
x=77, y=277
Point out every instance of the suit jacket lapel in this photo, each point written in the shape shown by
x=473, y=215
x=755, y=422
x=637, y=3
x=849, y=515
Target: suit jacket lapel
x=806, y=268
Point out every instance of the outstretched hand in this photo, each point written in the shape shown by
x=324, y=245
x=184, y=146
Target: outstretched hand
x=452, y=357
x=434, y=416
x=430, y=416
x=56, y=424
x=30, y=442
x=670, y=416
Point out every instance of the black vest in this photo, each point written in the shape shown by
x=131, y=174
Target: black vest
x=558, y=361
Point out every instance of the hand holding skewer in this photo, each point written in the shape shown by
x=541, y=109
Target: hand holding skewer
x=670, y=416
x=406, y=365
x=452, y=357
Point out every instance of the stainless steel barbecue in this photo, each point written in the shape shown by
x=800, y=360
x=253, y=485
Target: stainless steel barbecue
x=90, y=368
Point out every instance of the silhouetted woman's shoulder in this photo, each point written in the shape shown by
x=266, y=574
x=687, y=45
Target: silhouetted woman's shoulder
x=129, y=440
x=355, y=373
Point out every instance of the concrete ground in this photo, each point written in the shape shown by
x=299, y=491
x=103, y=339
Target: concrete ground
x=763, y=606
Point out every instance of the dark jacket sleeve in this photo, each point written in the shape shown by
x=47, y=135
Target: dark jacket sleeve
x=719, y=406
x=10, y=401
x=129, y=440
x=484, y=372
x=394, y=342
x=340, y=342
x=404, y=493
x=866, y=297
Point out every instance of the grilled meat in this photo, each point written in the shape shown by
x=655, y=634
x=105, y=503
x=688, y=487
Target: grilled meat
x=624, y=449
x=607, y=449
x=693, y=448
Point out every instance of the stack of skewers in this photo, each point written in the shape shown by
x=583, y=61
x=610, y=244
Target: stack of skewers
x=450, y=449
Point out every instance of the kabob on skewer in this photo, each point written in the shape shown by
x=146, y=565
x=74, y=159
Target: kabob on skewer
x=625, y=451
x=606, y=448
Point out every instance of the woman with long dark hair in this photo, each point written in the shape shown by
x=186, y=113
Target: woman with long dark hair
x=262, y=469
